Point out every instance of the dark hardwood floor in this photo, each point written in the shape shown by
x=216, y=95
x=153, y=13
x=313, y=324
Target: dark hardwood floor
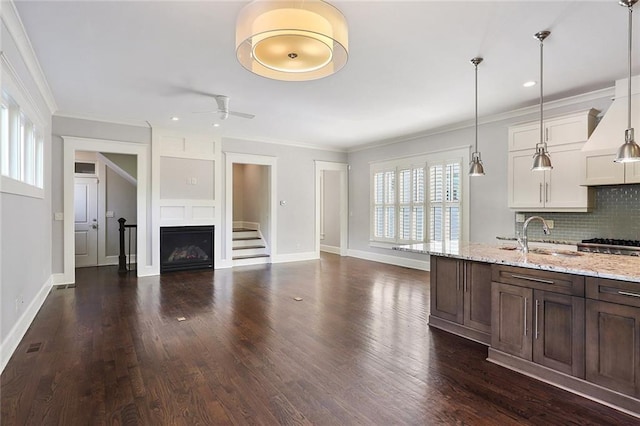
x=355, y=350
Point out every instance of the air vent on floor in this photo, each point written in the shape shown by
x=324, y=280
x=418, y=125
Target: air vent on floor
x=34, y=347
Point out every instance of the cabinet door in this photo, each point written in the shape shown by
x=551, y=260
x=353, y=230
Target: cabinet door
x=524, y=136
x=446, y=291
x=477, y=296
x=562, y=186
x=599, y=168
x=631, y=172
x=511, y=319
x=558, y=332
x=526, y=188
x=568, y=129
x=613, y=346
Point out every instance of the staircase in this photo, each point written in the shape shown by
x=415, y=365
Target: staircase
x=249, y=248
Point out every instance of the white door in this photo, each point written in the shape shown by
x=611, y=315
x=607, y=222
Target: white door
x=86, y=221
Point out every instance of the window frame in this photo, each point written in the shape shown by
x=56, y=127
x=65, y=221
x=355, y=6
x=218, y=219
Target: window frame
x=460, y=155
x=22, y=143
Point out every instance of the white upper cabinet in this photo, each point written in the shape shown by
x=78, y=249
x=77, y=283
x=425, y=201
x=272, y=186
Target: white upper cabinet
x=559, y=189
x=600, y=169
x=566, y=129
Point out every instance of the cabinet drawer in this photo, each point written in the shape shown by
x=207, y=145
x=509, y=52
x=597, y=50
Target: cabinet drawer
x=621, y=292
x=555, y=282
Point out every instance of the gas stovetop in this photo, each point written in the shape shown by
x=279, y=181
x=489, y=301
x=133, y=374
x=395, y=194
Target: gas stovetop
x=610, y=246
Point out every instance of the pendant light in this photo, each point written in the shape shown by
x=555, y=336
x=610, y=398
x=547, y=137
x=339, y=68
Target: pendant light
x=475, y=167
x=629, y=151
x=541, y=159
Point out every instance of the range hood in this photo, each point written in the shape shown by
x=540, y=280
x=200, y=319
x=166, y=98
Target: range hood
x=609, y=134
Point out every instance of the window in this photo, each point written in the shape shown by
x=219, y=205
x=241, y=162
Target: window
x=418, y=199
x=21, y=150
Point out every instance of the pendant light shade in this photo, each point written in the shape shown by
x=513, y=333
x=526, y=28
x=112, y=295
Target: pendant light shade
x=475, y=167
x=292, y=40
x=629, y=152
x=541, y=159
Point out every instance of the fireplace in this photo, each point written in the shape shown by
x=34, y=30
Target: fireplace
x=186, y=247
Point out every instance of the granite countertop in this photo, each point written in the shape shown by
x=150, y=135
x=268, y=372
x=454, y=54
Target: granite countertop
x=541, y=240
x=626, y=268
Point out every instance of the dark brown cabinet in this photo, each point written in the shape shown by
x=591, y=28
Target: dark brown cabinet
x=461, y=297
x=538, y=324
x=613, y=335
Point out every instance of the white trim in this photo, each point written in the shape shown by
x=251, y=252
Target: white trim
x=20, y=328
x=422, y=265
x=295, y=257
x=89, y=117
x=59, y=279
x=113, y=260
x=330, y=249
x=232, y=158
x=520, y=112
x=73, y=144
x=12, y=20
x=291, y=143
x=117, y=169
x=343, y=168
x=253, y=226
x=15, y=87
x=16, y=187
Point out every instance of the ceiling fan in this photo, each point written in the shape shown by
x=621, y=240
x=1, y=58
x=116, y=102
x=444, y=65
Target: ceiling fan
x=223, y=109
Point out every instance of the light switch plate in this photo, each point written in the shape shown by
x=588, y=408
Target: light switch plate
x=110, y=213
x=58, y=216
x=550, y=223
x=519, y=217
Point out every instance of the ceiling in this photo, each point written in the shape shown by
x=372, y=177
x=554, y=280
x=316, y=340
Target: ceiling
x=408, y=69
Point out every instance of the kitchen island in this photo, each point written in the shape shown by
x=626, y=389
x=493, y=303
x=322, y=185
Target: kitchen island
x=568, y=318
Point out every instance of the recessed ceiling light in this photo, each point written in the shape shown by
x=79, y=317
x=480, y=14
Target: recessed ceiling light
x=529, y=84
x=216, y=124
x=175, y=118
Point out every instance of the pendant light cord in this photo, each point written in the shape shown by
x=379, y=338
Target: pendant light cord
x=541, y=93
x=476, y=108
x=629, y=85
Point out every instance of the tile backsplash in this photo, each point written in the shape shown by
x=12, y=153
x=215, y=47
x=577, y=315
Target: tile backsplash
x=616, y=215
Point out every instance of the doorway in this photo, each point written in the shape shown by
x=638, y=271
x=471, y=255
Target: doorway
x=250, y=215
x=332, y=207
x=85, y=201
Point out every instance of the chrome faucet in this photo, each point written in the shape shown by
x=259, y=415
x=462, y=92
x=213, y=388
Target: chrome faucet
x=524, y=242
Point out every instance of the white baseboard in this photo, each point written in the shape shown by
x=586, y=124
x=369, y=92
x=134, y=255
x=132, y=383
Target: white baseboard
x=58, y=279
x=10, y=343
x=223, y=264
x=330, y=249
x=113, y=260
x=422, y=265
x=294, y=257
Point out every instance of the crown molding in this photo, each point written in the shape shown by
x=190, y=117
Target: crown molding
x=14, y=25
x=89, y=117
x=608, y=92
x=289, y=143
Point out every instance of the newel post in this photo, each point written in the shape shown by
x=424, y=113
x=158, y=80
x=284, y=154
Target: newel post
x=122, y=258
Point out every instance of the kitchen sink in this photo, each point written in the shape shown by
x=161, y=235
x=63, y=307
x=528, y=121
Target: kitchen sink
x=547, y=252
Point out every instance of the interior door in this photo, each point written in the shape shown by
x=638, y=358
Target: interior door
x=86, y=221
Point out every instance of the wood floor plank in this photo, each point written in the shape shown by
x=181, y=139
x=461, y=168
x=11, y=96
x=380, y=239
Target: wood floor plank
x=356, y=350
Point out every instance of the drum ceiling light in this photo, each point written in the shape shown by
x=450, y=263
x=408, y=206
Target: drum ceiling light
x=294, y=40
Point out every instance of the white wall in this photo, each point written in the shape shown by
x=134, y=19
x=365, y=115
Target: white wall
x=25, y=222
x=331, y=208
x=295, y=185
x=120, y=198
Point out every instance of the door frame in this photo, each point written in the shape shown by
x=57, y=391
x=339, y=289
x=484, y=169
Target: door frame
x=73, y=144
x=232, y=158
x=343, y=168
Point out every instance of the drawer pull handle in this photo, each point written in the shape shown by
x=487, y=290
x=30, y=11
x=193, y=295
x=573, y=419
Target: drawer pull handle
x=537, y=280
x=626, y=293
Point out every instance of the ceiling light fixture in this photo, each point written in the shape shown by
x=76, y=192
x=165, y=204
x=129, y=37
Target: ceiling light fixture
x=292, y=40
x=541, y=159
x=529, y=84
x=475, y=167
x=629, y=151
x=175, y=118
x=216, y=124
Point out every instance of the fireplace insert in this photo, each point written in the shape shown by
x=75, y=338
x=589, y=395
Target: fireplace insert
x=186, y=247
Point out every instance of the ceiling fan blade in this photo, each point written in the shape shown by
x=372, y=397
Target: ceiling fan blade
x=241, y=114
x=206, y=112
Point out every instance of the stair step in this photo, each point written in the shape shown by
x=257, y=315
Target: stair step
x=242, y=229
x=246, y=238
x=249, y=247
x=250, y=256
x=246, y=234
